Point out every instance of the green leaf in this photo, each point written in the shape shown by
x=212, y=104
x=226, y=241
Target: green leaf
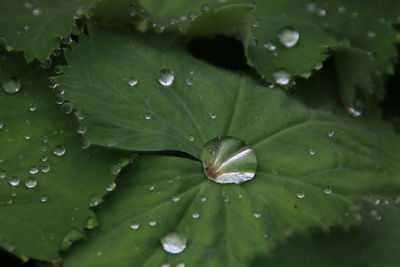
x=364, y=25
x=36, y=221
x=36, y=27
x=299, y=152
x=373, y=244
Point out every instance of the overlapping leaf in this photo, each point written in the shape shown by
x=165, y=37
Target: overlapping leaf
x=36, y=27
x=320, y=24
x=44, y=198
x=303, y=154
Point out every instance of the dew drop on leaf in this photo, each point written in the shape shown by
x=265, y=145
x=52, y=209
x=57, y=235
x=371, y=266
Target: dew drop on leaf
x=354, y=111
x=256, y=215
x=45, y=64
x=3, y=174
x=33, y=170
x=205, y=8
x=111, y=187
x=256, y=23
x=32, y=107
x=301, y=195
x=31, y=183
x=43, y=199
x=45, y=168
x=134, y=226
x=95, y=201
x=195, y=215
x=331, y=134
x=132, y=81
x=203, y=199
x=36, y=12
x=282, y=77
x=191, y=138
x=228, y=160
x=67, y=108
x=318, y=66
x=189, y=82
x=311, y=151
x=11, y=86
x=327, y=190
x=59, y=151
x=152, y=223
x=14, y=180
x=173, y=243
x=270, y=46
x=288, y=36
x=81, y=129
x=166, y=77
x=147, y=116
x=176, y=198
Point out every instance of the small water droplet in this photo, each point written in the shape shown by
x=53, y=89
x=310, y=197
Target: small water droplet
x=354, y=111
x=134, y=226
x=270, y=46
x=282, y=77
x=3, y=174
x=180, y=264
x=33, y=170
x=176, y=198
x=205, y=8
x=45, y=168
x=32, y=107
x=195, y=215
x=152, y=223
x=59, y=151
x=256, y=23
x=99, y=253
x=95, y=201
x=318, y=66
x=191, y=138
x=301, y=195
x=67, y=108
x=327, y=190
x=31, y=183
x=45, y=64
x=213, y=116
x=331, y=134
x=115, y=169
x=189, y=82
x=132, y=82
x=371, y=34
x=173, y=243
x=81, y=129
x=36, y=12
x=256, y=215
x=341, y=9
x=203, y=199
x=147, y=116
x=276, y=172
x=166, y=77
x=321, y=12
x=288, y=36
x=152, y=187
x=311, y=151
x=66, y=40
x=43, y=199
x=12, y=86
x=111, y=187
x=14, y=180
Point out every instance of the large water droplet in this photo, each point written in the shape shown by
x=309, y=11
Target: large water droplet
x=282, y=77
x=228, y=160
x=166, y=77
x=11, y=86
x=288, y=36
x=173, y=243
x=59, y=151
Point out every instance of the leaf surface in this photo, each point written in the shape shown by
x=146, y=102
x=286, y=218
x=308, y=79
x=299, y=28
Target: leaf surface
x=298, y=163
x=37, y=221
x=36, y=27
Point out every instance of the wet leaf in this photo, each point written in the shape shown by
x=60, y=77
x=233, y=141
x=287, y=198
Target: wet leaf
x=312, y=166
x=47, y=181
x=36, y=27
